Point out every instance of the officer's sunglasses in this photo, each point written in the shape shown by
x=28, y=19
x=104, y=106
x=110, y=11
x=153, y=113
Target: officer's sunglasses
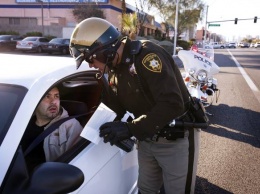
x=81, y=54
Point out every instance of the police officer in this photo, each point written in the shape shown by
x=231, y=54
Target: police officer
x=145, y=81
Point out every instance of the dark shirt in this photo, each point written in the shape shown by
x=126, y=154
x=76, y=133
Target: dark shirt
x=156, y=90
x=36, y=156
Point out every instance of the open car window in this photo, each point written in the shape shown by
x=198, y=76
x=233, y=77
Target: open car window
x=89, y=91
x=80, y=94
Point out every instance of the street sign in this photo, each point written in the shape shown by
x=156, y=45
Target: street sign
x=214, y=24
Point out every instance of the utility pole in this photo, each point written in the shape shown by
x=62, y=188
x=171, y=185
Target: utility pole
x=41, y=1
x=176, y=27
x=205, y=28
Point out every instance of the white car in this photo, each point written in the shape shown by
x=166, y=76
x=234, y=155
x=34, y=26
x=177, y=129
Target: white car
x=257, y=44
x=217, y=45
x=93, y=168
x=232, y=45
x=252, y=45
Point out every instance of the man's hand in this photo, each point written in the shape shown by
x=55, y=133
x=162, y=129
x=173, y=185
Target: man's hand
x=114, y=131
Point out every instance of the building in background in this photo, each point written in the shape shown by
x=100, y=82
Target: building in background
x=55, y=18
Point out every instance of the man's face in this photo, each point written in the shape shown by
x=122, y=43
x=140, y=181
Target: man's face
x=98, y=65
x=50, y=105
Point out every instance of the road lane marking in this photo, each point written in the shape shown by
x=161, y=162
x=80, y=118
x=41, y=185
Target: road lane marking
x=244, y=74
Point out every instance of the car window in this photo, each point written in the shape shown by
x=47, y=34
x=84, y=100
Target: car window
x=30, y=39
x=43, y=40
x=56, y=40
x=4, y=38
x=17, y=38
x=67, y=41
x=80, y=94
x=11, y=97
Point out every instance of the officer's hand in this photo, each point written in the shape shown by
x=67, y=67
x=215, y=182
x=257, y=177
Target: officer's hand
x=114, y=131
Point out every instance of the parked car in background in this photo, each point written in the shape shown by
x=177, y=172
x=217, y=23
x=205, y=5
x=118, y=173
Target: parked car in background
x=232, y=45
x=32, y=43
x=90, y=166
x=243, y=45
x=252, y=45
x=257, y=44
x=8, y=42
x=57, y=45
x=217, y=45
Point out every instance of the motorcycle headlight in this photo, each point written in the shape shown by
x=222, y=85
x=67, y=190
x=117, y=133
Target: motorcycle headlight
x=202, y=75
x=210, y=81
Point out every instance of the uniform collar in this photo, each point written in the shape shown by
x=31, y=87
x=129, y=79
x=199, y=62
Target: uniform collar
x=127, y=58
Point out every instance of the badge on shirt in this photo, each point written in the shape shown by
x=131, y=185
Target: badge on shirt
x=152, y=62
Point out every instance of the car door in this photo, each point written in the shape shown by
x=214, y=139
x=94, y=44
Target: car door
x=86, y=165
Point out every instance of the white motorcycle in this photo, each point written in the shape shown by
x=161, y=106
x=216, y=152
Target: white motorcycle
x=199, y=69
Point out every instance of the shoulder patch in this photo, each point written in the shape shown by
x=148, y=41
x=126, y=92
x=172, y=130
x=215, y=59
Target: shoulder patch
x=152, y=62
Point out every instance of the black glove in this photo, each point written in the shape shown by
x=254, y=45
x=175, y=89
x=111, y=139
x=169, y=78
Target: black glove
x=114, y=132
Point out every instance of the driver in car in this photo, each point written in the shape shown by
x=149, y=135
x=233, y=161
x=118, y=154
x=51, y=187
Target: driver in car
x=59, y=141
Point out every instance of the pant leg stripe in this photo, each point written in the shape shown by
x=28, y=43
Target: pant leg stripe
x=191, y=161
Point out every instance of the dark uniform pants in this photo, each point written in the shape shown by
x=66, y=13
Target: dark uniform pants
x=169, y=162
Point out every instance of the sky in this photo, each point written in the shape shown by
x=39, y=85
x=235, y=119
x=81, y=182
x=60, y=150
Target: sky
x=220, y=10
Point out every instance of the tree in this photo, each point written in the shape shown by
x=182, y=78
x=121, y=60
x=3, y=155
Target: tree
x=141, y=15
x=190, y=12
x=86, y=10
x=122, y=14
x=132, y=23
x=129, y=23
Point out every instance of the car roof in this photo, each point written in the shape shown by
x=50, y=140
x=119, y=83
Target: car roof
x=3, y=36
x=26, y=70
x=37, y=37
x=8, y=35
x=61, y=38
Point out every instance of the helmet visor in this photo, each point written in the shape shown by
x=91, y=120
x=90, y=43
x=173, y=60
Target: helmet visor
x=80, y=54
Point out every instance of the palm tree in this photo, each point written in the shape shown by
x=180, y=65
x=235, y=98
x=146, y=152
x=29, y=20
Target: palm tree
x=129, y=23
x=123, y=13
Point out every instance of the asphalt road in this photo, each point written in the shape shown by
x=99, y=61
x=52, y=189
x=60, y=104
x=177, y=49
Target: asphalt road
x=229, y=160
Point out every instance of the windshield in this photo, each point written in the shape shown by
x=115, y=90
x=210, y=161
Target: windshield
x=207, y=51
x=11, y=97
x=30, y=39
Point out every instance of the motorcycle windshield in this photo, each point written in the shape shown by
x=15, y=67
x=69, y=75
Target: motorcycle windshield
x=207, y=51
x=199, y=61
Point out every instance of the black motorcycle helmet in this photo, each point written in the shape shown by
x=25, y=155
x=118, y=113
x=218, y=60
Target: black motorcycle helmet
x=94, y=38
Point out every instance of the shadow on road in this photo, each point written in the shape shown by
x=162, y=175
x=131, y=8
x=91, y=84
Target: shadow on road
x=236, y=123
x=203, y=186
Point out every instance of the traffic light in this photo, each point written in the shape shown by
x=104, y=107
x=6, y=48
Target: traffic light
x=235, y=20
x=255, y=19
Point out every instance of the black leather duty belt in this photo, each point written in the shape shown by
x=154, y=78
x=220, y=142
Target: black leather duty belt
x=173, y=133
x=169, y=133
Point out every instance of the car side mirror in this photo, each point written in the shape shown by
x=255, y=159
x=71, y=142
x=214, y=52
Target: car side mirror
x=54, y=177
x=47, y=178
